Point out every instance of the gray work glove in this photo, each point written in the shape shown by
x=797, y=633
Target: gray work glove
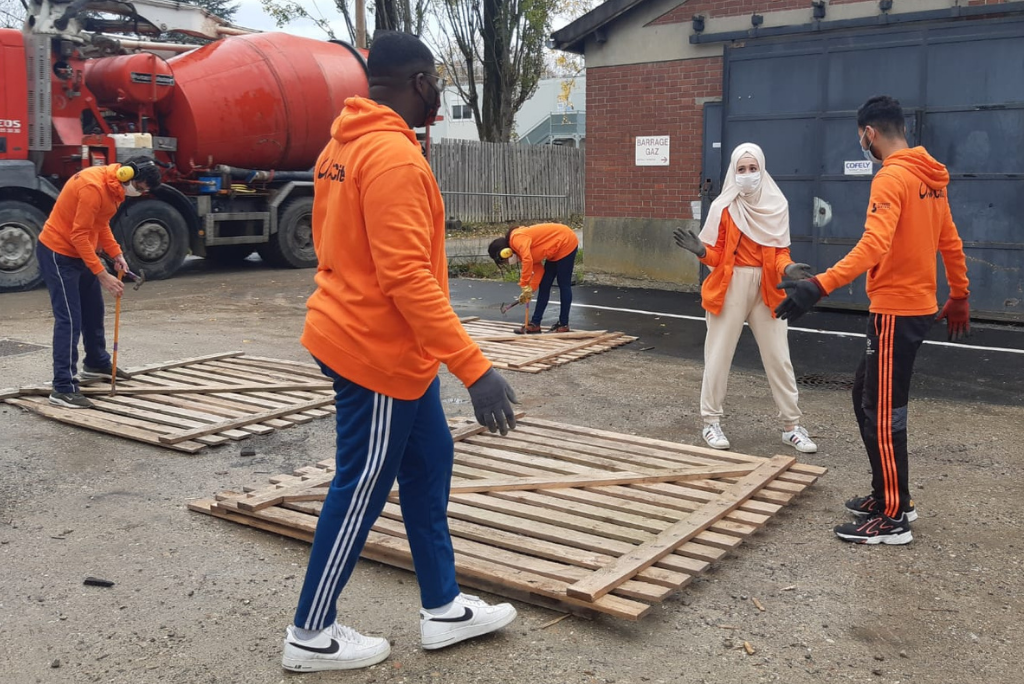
x=689, y=241
x=492, y=399
x=798, y=271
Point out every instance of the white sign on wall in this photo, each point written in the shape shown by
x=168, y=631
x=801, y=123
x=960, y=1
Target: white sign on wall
x=857, y=168
x=652, y=150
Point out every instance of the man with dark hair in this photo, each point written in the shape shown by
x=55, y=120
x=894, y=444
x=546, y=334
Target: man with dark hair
x=79, y=224
x=379, y=324
x=908, y=221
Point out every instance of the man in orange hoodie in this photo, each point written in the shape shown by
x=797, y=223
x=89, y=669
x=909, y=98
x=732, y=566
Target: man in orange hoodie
x=379, y=324
x=79, y=225
x=908, y=221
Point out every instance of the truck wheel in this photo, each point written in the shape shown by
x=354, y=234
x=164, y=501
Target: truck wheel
x=228, y=255
x=20, y=225
x=292, y=245
x=154, y=237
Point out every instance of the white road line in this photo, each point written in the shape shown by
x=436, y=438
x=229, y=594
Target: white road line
x=813, y=331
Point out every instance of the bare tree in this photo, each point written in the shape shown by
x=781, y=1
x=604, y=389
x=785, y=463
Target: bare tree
x=400, y=15
x=12, y=13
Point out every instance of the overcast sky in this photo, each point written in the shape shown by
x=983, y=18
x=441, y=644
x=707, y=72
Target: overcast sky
x=250, y=14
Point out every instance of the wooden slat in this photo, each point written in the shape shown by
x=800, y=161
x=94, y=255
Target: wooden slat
x=94, y=420
x=166, y=365
x=597, y=480
x=604, y=580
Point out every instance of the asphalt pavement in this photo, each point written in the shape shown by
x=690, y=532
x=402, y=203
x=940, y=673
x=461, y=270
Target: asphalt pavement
x=824, y=345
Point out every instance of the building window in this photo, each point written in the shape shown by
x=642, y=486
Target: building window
x=461, y=112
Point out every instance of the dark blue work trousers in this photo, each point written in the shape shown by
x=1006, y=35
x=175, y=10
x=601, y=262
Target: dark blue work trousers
x=77, y=301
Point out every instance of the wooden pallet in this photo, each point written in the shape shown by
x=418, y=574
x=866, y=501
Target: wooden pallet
x=536, y=353
x=570, y=518
x=193, y=403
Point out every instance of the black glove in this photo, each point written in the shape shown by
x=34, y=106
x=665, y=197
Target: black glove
x=492, y=399
x=689, y=241
x=801, y=296
x=797, y=271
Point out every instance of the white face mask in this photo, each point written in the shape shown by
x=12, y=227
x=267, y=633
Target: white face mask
x=131, y=191
x=868, y=154
x=748, y=182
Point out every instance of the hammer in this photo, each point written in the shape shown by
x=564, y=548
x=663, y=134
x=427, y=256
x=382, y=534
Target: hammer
x=139, y=279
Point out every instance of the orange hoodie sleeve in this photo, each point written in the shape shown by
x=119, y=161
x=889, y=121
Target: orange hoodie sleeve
x=884, y=208
x=109, y=243
x=713, y=256
x=89, y=202
x=952, y=249
x=782, y=259
x=400, y=231
x=524, y=248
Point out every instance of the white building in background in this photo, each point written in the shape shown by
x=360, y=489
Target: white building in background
x=546, y=118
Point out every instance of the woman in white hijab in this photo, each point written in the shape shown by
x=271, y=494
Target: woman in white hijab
x=745, y=243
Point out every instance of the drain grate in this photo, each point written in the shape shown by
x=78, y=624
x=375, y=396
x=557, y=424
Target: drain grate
x=832, y=381
x=14, y=347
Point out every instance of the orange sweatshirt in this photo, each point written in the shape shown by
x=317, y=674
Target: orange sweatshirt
x=80, y=220
x=722, y=259
x=542, y=242
x=380, y=315
x=908, y=222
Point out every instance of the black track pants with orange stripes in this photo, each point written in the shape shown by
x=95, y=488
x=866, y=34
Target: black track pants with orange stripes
x=881, y=391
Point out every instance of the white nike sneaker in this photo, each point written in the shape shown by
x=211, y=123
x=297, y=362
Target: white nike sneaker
x=335, y=648
x=468, y=617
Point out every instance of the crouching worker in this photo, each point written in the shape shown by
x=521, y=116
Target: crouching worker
x=547, y=252
x=79, y=225
x=379, y=324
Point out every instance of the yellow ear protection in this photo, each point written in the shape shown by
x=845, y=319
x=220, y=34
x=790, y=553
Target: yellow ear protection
x=128, y=171
x=505, y=253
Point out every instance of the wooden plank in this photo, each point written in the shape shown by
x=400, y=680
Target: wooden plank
x=239, y=422
x=92, y=419
x=604, y=580
x=165, y=365
x=574, y=335
x=296, y=492
x=597, y=479
x=566, y=350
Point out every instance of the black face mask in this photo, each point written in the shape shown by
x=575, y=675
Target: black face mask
x=431, y=108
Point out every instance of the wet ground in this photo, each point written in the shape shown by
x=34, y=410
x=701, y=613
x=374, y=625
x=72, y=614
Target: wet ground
x=200, y=600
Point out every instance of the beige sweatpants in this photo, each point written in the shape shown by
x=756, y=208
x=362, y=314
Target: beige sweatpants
x=743, y=304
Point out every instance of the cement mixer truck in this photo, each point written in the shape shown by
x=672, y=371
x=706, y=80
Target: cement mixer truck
x=237, y=125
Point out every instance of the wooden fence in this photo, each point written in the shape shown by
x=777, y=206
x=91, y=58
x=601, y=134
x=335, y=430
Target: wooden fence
x=498, y=182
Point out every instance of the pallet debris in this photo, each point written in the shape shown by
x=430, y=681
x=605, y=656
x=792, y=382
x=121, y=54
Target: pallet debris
x=536, y=353
x=575, y=519
x=193, y=403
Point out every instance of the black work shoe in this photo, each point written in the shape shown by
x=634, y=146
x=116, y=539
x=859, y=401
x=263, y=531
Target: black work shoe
x=102, y=373
x=559, y=328
x=75, y=400
x=876, y=529
x=864, y=506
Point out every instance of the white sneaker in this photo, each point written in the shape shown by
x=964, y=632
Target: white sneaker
x=335, y=648
x=799, y=440
x=467, y=618
x=714, y=436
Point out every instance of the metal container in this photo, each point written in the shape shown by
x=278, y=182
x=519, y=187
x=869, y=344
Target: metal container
x=261, y=101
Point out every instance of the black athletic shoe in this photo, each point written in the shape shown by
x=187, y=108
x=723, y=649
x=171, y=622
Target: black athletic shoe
x=102, y=374
x=73, y=400
x=876, y=529
x=864, y=506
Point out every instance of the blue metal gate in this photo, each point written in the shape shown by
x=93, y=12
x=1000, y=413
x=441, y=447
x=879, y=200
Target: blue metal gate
x=962, y=87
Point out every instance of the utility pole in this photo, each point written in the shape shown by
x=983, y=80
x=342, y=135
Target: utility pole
x=361, y=24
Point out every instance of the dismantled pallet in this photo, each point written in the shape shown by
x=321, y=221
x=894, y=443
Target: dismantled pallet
x=536, y=353
x=190, y=404
x=576, y=519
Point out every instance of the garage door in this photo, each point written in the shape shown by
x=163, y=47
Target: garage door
x=962, y=87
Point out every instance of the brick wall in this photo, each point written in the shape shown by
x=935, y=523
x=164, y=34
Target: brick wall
x=660, y=98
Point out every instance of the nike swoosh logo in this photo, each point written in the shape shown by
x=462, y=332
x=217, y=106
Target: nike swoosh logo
x=468, y=615
x=326, y=650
